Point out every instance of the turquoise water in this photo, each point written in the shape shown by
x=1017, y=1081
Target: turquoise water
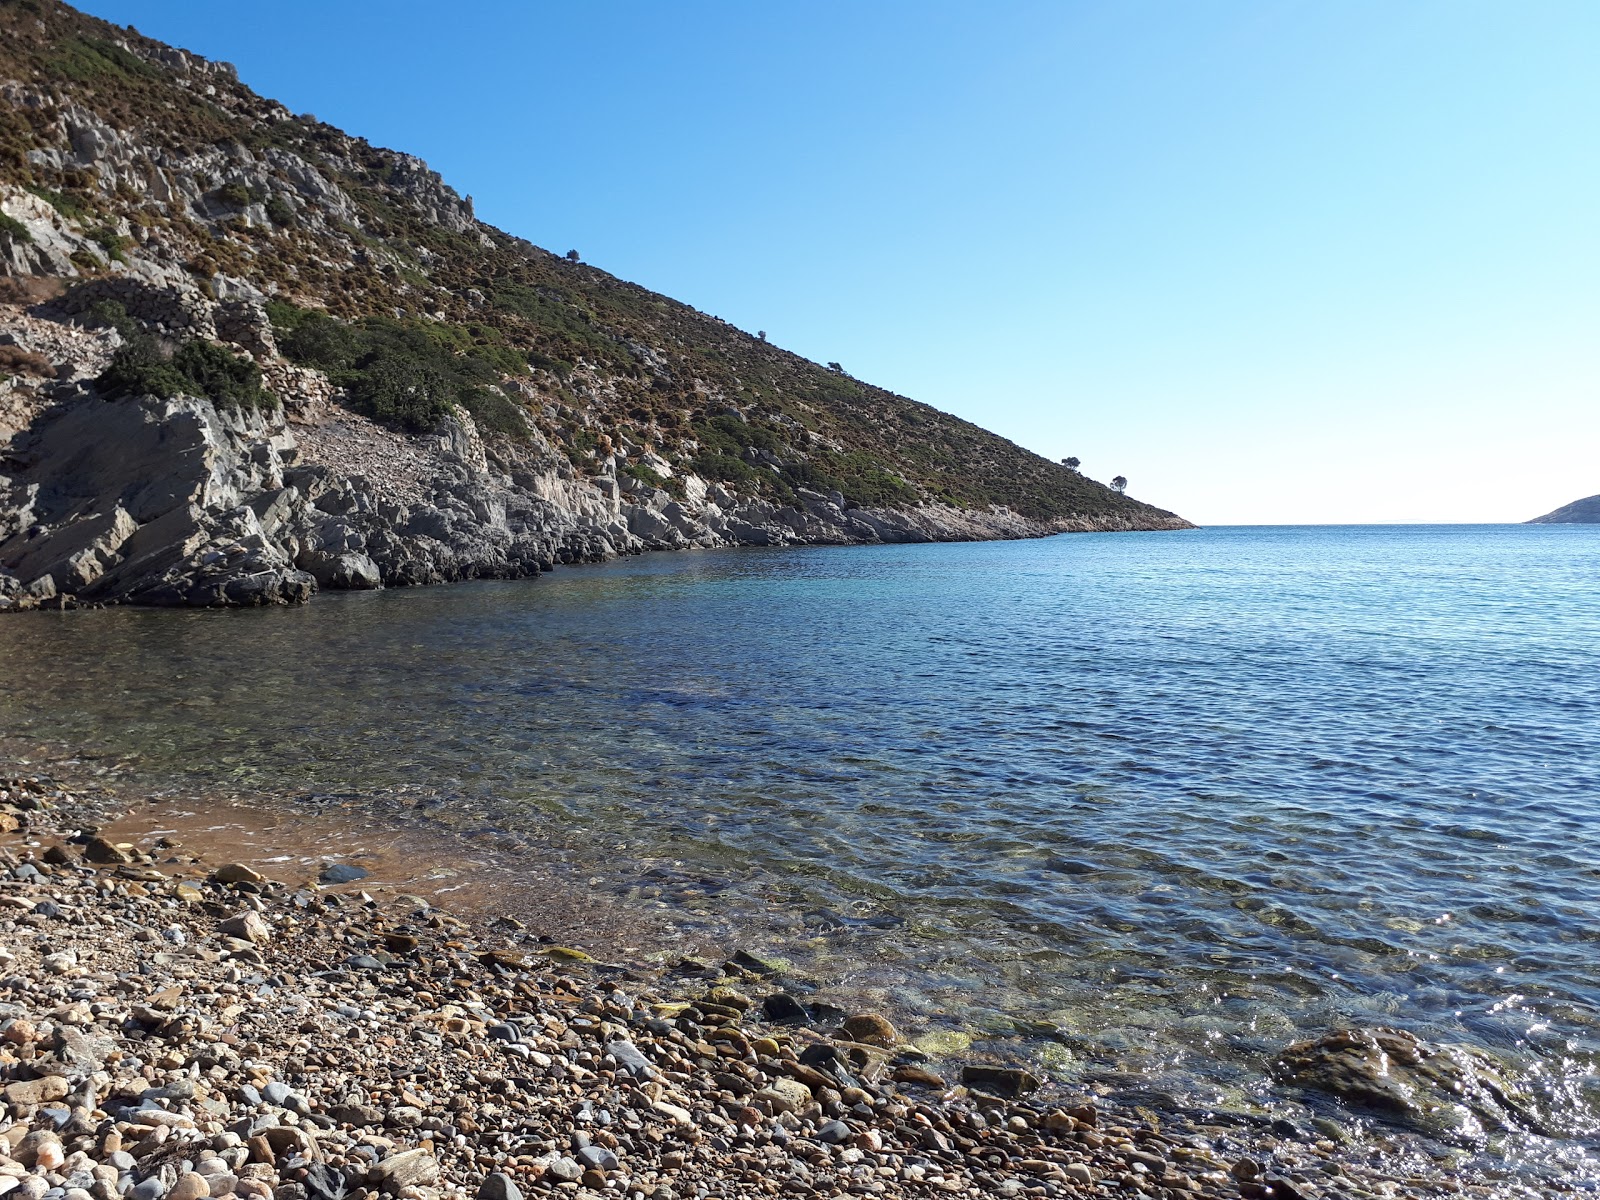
x=1178, y=797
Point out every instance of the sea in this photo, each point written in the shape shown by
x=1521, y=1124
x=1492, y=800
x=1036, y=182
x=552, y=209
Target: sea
x=1136, y=809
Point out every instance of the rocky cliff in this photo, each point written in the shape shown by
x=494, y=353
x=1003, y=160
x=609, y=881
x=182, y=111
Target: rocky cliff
x=244, y=355
x=1579, y=512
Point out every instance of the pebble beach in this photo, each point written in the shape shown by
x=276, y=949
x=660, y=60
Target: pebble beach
x=174, y=1028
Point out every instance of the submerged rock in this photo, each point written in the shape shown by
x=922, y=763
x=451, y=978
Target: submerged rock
x=1009, y=1082
x=1443, y=1090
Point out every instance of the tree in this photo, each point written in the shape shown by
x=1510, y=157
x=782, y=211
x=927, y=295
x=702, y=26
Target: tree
x=1071, y=464
x=836, y=367
x=762, y=334
x=572, y=256
x=1119, y=484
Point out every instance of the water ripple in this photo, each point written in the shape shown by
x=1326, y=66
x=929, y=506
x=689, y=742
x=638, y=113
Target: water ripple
x=1182, y=796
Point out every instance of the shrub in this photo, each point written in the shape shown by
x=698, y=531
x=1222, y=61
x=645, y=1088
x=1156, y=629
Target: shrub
x=14, y=229
x=69, y=207
x=407, y=392
x=279, y=211
x=234, y=195
x=407, y=373
x=112, y=242
x=196, y=368
x=644, y=474
x=114, y=314
x=87, y=60
x=494, y=413
x=14, y=360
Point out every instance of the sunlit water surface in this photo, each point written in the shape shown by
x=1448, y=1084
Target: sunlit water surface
x=1179, y=797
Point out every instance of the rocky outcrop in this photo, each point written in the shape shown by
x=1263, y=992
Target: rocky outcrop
x=1579, y=512
x=175, y=502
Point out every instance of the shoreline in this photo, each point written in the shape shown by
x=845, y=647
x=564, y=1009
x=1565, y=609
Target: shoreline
x=419, y=1047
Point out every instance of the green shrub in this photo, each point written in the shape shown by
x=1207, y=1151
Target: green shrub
x=14, y=229
x=494, y=413
x=69, y=207
x=408, y=392
x=407, y=373
x=114, y=314
x=234, y=195
x=88, y=60
x=196, y=368
x=112, y=242
x=279, y=211
x=645, y=475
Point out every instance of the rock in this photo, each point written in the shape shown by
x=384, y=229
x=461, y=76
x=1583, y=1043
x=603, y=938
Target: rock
x=36, y=1091
x=564, y=1170
x=870, y=1028
x=756, y=966
x=498, y=1186
x=190, y=1187
x=237, y=873
x=336, y=873
x=153, y=1188
x=41, y=1149
x=406, y=1169
x=785, y=1095
x=1444, y=1090
x=248, y=926
x=1009, y=1082
x=323, y=1182
x=630, y=1059
x=783, y=1009
x=99, y=850
x=597, y=1157
x=19, y=1031
x=834, y=1133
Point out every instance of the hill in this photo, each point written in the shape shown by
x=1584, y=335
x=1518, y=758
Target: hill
x=1579, y=512
x=340, y=377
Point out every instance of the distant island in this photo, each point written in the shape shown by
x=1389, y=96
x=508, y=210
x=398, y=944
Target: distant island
x=1579, y=512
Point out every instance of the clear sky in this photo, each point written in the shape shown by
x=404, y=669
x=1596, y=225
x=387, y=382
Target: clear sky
x=1276, y=261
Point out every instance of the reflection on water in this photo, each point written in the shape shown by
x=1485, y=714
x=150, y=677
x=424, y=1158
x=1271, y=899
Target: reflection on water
x=1221, y=787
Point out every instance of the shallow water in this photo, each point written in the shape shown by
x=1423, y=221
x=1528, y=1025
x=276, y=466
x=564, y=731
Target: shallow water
x=1183, y=797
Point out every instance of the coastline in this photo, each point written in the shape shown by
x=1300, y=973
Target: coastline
x=425, y=1046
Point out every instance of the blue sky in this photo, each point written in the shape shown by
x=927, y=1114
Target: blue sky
x=1276, y=261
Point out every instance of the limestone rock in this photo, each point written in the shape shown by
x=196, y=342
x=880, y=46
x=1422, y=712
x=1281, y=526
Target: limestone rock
x=247, y=926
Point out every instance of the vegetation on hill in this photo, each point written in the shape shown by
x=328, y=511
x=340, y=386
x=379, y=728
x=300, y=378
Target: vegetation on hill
x=144, y=366
x=386, y=282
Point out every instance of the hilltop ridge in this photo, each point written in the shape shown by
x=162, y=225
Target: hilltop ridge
x=1579, y=512
x=338, y=376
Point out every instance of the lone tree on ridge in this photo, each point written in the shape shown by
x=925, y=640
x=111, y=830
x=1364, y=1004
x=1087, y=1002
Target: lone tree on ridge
x=572, y=256
x=1119, y=484
x=1071, y=464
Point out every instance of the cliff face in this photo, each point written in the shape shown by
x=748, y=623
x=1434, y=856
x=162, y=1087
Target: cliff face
x=244, y=355
x=1579, y=512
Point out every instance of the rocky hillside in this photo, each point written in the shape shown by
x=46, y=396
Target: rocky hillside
x=244, y=354
x=1579, y=512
